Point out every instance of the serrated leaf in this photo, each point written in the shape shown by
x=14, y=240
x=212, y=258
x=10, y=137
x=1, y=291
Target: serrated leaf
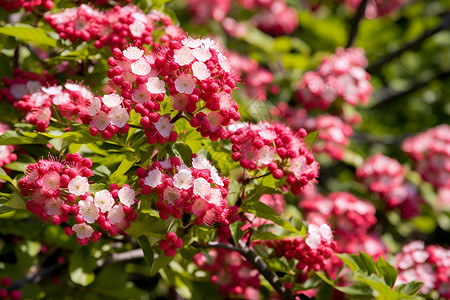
x=388, y=272
x=311, y=139
x=368, y=262
x=348, y=260
x=410, y=288
x=29, y=34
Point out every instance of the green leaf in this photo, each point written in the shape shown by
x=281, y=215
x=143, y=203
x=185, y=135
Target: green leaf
x=236, y=231
x=11, y=137
x=16, y=201
x=183, y=151
x=146, y=248
x=159, y=262
x=410, y=288
x=81, y=266
x=125, y=165
x=261, y=210
x=349, y=261
x=311, y=138
x=368, y=262
x=388, y=272
x=29, y=34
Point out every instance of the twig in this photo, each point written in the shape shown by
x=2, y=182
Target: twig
x=119, y=257
x=355, y=22
x=389, y=95
x=34, y=278
x=445, y=23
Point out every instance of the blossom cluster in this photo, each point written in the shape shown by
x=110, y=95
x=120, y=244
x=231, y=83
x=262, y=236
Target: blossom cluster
x=274, y=17
x=277, y=148
x=114, y=27
x=311, y=253
x=28, y=5
x=199, y=79
x=386, y=177
x=430, y=265
x=181, y=189
x=60, y=188
x=341, y=76
x=431, y=152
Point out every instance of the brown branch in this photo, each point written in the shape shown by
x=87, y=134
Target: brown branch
x=355, y=22
x=121, y=256
x=445, y=23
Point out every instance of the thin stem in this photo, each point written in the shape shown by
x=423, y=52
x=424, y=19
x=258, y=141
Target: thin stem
x=355, y=22
x=247, y=180
x=445, y=23
x=177, y=117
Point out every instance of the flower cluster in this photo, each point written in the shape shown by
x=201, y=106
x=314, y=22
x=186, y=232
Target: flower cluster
x=170, y=244
x=115, y=27
x=311, y=252
x=198, y=76
x=385, y=176
x=69, y=100
x=6, y=151
x=430, y=264
x=256, y=78
x=431, y=152
x=376, y=8
x=28, y=5
x=58, y=189
x=25, y=83
x=277, y=148
x=339, y=76
x=181, y=189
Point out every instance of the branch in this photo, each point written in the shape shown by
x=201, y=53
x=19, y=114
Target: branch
x=119, y=257
x=355, y=22
x=445, y=23
x=34, y=277
x=251, y=256
x=389, y=95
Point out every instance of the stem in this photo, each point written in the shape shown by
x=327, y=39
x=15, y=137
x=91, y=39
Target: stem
x=177, y=117
x=355, y=22
x=247, y=180
x=445, y=23
x=119, y=257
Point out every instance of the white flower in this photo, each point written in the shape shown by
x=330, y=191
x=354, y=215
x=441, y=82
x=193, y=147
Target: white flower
x=164, y=126
x=141, y=94
x=141, y=67
x=171, y=194
x=325, y=232
x=101, y=121
x=79, y=185
x=154, y=178
x=116, y=214
x=215, y=176
x=202, y=187
x=94, y=107
x=112, y=100
x=200, y=70
x=61, y=98
x=133, y=53
x=313, y=240
x=191, y=43
x=266, y=155
x=224, y=62
x=202, y=53
x=83, y=230
x=200, y=162
x=156, y=85
x=183, y=179
x=104, y=200
x=185, y=83
x=52, y=90
x=53, y=206
x=183, y=56
x=88, y=210
x=18, y=90
x=216, y=197
x=33, y=86
x=38, y=98
x=127, y=195
x=137, y=28
x=118, y=116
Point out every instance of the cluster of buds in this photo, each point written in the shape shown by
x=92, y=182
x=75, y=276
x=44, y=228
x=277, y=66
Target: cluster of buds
x=24, y=83
x=431, y=152
x=339, y=76
x=334, y=132
x=385, y=176
x=28, y=5
x=181, y=189
x=430, y=265
x=312, y=253
x=170, y=244
x=375, y=8
x=277, y=148
x=69, y=100
x=197, y=75
x=115, y=27
x=6, y=151
x=256, y=79
x=4, y=294
x=60, y=188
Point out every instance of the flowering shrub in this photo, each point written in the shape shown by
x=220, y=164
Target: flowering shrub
x=143, y=156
